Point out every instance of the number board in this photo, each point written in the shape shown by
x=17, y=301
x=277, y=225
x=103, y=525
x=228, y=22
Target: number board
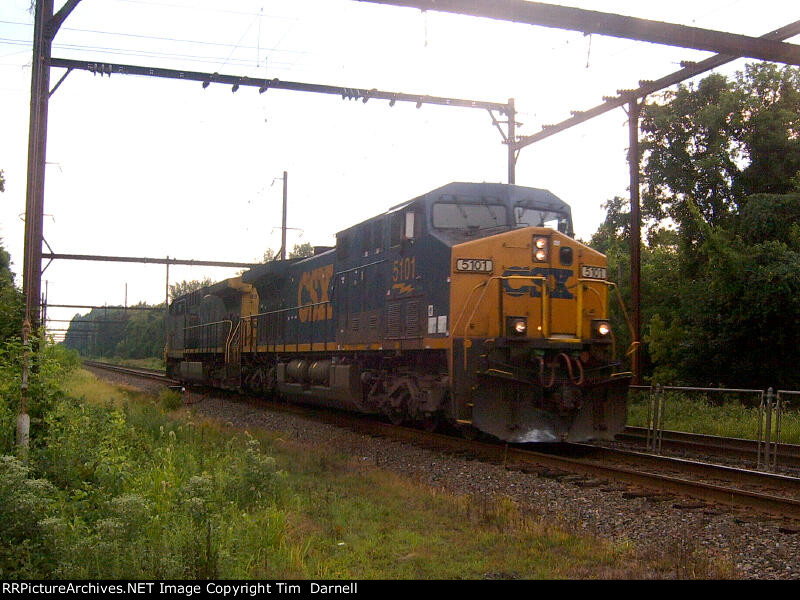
x=474, y=265
x=588, y=272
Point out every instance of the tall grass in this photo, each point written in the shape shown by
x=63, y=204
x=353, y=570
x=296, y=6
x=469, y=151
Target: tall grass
x=131, y=493
x=698, y=413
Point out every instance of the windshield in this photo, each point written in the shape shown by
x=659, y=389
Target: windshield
x=455, y=215
x=539, y=217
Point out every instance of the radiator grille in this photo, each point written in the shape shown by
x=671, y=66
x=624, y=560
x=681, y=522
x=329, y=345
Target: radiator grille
x=393, y=320
x=412, y=319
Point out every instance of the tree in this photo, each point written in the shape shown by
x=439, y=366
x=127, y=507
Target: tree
x=718, y=143
x=302, y=250
x=721, y=259
x=298, y=251
x=12, y=304
x=184, y=287
x=269, y=255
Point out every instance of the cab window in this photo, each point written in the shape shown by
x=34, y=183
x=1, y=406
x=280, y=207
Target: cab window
x=536, y=217
x=457, y=215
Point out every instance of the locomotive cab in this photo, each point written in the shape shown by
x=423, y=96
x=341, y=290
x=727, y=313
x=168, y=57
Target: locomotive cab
x=533, y=350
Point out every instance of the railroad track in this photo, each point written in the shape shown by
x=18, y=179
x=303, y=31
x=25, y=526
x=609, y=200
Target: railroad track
x=138, y=372
x=777, y=495
x=788, y=454
x=769, y=493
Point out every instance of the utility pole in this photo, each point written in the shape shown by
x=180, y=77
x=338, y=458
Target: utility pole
x=283, y=221
x=166, y=311
x=37, y=141
x=511, y=140
x=634, y=109
x=46, y=25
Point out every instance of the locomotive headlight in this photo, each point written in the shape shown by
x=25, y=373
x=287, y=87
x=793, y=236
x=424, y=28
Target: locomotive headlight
x=540, y=248
x=516, y=326
x=600, y=328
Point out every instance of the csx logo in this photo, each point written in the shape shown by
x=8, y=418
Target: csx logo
x=313, y=289
x=519, y=287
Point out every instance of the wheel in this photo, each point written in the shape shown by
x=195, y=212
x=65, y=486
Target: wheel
x=468, y=432
x=430, y=423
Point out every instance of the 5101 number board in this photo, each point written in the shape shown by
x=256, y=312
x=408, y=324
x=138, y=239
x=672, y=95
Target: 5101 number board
x=474, y=265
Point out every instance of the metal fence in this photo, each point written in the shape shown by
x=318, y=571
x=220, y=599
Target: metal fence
x=771, y=408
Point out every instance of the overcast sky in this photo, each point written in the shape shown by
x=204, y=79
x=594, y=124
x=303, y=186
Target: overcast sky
x=140, y=166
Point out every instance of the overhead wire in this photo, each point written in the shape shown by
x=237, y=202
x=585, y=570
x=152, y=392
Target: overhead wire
x=161, y=38
x=143, y=53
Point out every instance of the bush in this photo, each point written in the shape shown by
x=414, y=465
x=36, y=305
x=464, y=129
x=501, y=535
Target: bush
x=170, y=399
x=24, y=503
x=44, y=386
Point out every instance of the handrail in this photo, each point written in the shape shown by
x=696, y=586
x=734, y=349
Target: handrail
x=622, y=307
x=280, y=310
x=372, y=264
x=207, y=324
x=274, y=313
x=202, y=325
x=229, y=341
x=485, y=285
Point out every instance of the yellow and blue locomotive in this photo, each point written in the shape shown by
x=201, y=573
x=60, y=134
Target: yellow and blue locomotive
x=471, y=305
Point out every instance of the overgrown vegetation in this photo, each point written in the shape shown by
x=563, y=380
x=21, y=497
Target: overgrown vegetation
x=720, y=268
x=114, y=488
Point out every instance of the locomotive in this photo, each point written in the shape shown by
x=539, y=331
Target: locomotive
x=471, y=305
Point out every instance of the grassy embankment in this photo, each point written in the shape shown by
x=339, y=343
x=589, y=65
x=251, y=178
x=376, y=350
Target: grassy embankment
x=132, y=486
x=698, y=414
